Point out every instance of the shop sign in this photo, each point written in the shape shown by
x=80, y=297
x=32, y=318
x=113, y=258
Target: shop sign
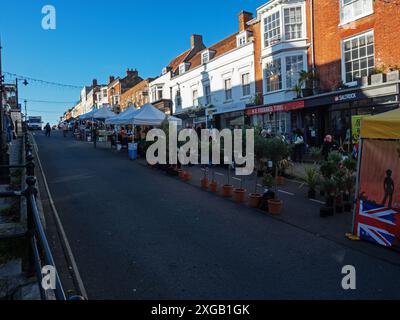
x=346, y=97
x=285, y=107
x=356, y=126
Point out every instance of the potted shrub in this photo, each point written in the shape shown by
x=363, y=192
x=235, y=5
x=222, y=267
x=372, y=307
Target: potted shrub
x=329, y=187
x=227, y=189
x=283, y=165
x=187, y=176
x=306, y=82
x=240, y=193
x=277, y=150
x=315, y=154
x=204, y=181
x=259, y=153
x=312, y=180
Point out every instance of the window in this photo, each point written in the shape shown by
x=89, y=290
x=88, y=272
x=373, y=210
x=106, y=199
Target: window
x=359, y=57
x=153, y=94
x=351, y=10
x=159, y=93
x=115, y=100
x=294, y=65
x=228, y=89
x=195, y=96
x=205, y=57
x=272, y=29
x=293, y=23
x=246, y=84
x=241, y=40
x=273, y=75
x=207, y=94
x=182, y=68
x=178, y=99
x=105, y=93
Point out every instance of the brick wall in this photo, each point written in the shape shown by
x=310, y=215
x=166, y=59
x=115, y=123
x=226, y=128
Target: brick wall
x=329, y=35
x=135, y=95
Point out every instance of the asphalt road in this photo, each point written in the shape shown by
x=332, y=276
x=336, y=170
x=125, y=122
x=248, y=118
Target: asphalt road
x=139, y=234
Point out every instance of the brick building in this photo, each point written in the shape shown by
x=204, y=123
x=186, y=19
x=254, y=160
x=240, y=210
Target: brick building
x=136, y=96
x=348, y=47
x=118, y=86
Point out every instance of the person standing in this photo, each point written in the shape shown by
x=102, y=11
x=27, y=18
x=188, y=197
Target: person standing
x=47, y=129
x=298, y=146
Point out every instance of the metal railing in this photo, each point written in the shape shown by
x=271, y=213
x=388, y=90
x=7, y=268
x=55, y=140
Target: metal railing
x=39, y=250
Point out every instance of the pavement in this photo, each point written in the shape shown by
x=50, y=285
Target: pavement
x=137, y=233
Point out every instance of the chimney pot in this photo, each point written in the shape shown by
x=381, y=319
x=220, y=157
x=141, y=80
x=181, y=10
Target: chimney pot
x=111, y=79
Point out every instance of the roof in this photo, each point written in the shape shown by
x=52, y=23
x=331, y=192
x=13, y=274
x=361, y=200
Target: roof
x=219, y=48
x=174, y=64
x=382, y=126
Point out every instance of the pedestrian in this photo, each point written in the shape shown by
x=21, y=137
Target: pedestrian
x=298, y=146
x=328, y=146
x=94, y=136
x=65, y=129
x=47, y=129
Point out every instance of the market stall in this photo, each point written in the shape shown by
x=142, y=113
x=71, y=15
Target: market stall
x=377, y=214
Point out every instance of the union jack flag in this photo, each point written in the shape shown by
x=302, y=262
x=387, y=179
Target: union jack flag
x=377, y=223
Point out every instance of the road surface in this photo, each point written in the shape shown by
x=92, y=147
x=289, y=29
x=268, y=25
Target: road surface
x=139, y=234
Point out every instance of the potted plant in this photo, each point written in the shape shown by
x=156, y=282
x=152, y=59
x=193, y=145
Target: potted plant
x=283, y=165
x=306, y=82
x=315, y=154
x=259, y=153
x=312, y=179
x=329, y=186
x=204, y=181
x=240, y=193
x=227, y=189
x=277, y=150
x=298, y=90
x=339, y=178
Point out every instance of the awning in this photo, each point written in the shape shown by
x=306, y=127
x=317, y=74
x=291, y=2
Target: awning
x=382, y=126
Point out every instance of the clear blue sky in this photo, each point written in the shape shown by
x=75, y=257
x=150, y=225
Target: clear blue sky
x=95, y=39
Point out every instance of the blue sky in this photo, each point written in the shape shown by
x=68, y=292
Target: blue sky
x=95, y=39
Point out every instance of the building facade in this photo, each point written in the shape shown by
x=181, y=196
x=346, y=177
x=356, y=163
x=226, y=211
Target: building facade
x=136, y=96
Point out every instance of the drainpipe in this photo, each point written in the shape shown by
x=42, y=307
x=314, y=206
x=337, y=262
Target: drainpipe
x=312, y=36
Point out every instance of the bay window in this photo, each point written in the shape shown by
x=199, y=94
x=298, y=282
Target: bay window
x=358, y=57
x=273, y=75
x=294, y=64
x=272, y=29
x=293, y=23
x=351, y=10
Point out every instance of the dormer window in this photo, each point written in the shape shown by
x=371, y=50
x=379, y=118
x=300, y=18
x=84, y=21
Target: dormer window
x=243, y=38
x=183, y=67
x=205, y=57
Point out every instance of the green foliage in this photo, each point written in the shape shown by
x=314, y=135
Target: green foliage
x=329, y=186
x=335, y=157
x=328, y=168
x=350, y=164
x=276, y=150
x=315, y=153
x=268, y=181
x=312, y=177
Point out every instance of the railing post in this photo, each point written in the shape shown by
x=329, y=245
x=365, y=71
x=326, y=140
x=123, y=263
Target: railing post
x=30, y=165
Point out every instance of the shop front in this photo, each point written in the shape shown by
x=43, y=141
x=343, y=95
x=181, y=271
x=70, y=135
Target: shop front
x=339, y=113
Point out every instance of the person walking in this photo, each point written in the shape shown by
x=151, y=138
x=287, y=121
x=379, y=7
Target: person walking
x=65, y=129
x=47, y=129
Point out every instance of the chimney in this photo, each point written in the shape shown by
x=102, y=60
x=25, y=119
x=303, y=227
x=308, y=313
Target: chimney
x=132, y=73
x=94, y=83
x=111, y=79
x=196, y=41
x=244, y=17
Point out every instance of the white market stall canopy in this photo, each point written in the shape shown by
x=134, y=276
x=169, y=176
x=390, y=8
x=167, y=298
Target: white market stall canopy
x=88, y=115
x=124, y=117
x=103, y=114
x=149, y=115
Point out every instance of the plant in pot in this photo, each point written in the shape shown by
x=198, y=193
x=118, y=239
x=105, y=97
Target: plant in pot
x=339, y=178
x=329, y=186
x=240, y=193
x=227, y=189
x=259, y=154
x=315, y=154
x=306, y=82
x=312, y=179
x=283, y=165
x=277, y=150
x=298, y=90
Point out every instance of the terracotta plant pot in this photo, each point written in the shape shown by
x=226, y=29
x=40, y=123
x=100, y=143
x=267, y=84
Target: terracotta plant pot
x=255, y=199
x=280, y=181
x=181, y=173
x=214, y=187
x=187, y=176
x=204, y=183
x=275, y=206
x=227, y=190
x=239, y=195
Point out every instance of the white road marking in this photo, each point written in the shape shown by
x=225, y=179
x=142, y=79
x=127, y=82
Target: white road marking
x=285, y=192
x=317, y=201
x=237, y=179
x=219, y=174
